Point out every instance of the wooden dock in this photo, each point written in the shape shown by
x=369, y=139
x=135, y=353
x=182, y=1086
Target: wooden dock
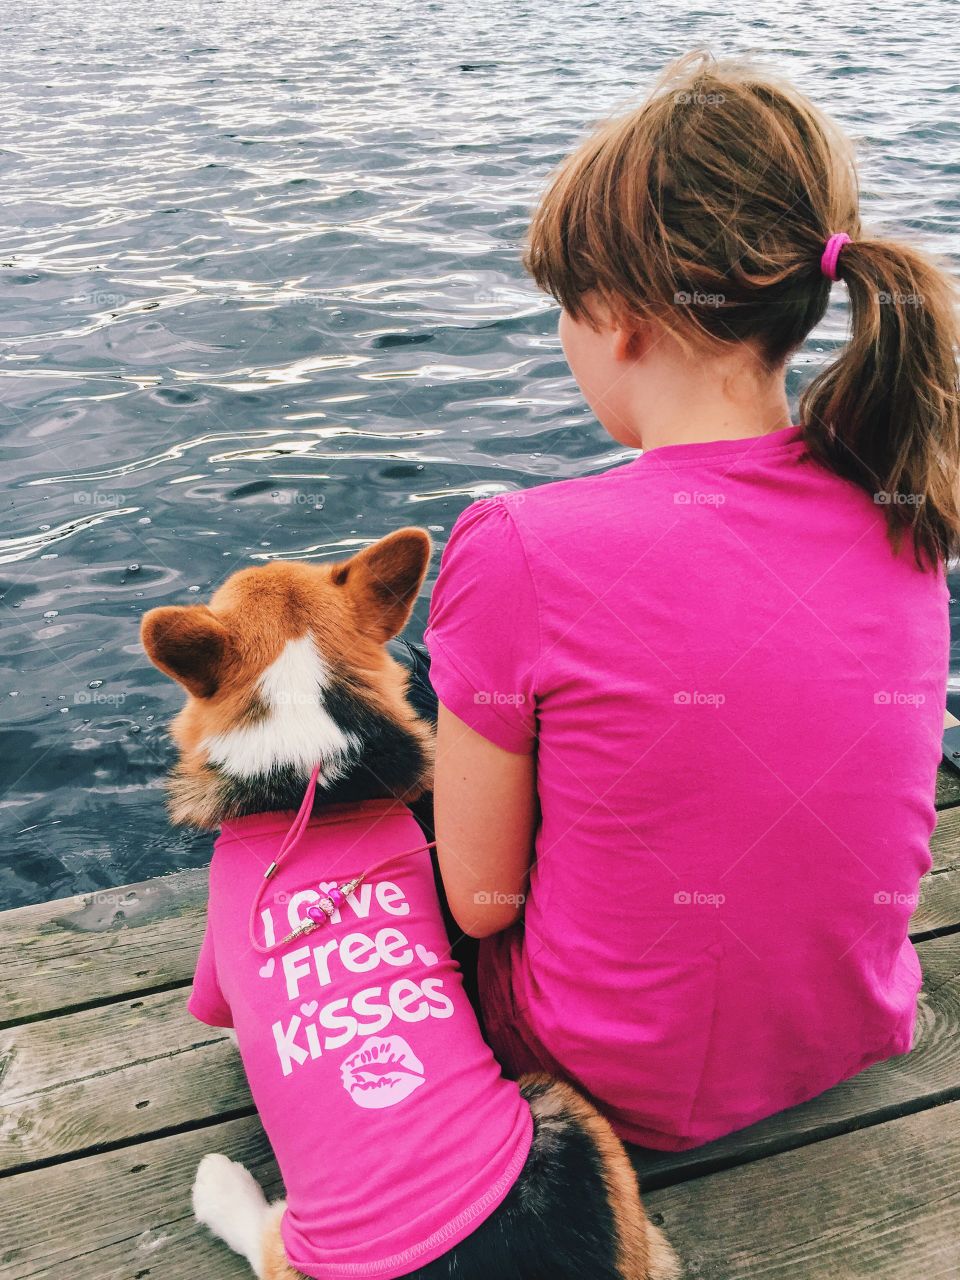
x=110, y=1094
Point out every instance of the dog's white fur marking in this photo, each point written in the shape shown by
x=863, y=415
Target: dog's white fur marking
x=229, y=1201
x=297, y=729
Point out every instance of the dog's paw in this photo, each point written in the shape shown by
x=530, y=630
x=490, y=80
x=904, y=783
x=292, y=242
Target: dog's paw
x=228, y=1200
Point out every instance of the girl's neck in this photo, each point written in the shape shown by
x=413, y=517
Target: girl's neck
x=649, y=390
x=708, y=426
x=717, y=400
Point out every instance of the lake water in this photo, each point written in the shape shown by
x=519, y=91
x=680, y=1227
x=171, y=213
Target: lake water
x=262, y=296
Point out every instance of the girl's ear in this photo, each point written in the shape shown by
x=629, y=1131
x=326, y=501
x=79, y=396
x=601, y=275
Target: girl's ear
x=630, y=341
x=384, y=580
x=188, y=643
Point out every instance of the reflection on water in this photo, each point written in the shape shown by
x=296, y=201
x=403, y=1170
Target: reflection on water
x=262, y=297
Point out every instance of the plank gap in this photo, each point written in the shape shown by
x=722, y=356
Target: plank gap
x=928, y=935
x=795, y=1141
x=136, y=1140
x=44, y=1015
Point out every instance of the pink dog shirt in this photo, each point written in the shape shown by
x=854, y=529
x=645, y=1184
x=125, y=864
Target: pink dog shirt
x=394, y=1130
x=735, y=691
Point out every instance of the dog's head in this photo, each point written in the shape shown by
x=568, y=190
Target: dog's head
x=287, y=668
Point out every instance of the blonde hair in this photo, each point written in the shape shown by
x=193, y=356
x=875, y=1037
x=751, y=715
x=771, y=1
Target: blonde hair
x=707, y=210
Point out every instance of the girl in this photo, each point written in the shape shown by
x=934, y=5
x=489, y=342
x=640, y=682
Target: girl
x=691, y=706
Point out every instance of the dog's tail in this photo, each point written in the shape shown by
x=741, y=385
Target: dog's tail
x=662, y=1261
x=644, y=1252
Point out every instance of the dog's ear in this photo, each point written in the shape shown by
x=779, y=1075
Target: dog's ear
x=188, y=643
x=384, y=580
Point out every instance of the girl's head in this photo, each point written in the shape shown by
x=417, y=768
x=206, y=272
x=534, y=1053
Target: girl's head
x=701, y=218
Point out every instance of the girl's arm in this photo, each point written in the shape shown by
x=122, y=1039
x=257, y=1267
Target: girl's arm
x=485, y=802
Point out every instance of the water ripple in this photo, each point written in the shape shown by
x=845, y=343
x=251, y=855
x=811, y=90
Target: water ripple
x=35, y=543
x=262, y=299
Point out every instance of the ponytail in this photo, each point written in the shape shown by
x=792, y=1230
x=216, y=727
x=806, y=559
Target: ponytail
x=886, y=413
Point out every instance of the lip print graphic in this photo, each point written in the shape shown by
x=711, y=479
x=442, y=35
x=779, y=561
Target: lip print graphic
x=382, y=1072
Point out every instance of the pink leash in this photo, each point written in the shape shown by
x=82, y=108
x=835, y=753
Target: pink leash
x=335, y=897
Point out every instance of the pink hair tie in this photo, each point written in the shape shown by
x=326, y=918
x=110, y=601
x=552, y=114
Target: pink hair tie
x=831, y=253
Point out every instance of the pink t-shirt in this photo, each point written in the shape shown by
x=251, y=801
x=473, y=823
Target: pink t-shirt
x=736, y=693
x=394, y=1130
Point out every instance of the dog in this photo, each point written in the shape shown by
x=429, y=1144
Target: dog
x=403, y=1149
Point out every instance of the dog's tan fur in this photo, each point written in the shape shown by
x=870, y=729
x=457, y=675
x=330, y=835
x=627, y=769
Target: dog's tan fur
x=644, y=1252
x=219, y=651
x=275, y=1264
x=622, y=1189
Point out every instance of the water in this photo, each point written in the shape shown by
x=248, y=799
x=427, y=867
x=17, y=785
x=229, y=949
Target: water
x=262, y=296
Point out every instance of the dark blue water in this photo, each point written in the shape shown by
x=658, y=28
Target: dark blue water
x=262, y=297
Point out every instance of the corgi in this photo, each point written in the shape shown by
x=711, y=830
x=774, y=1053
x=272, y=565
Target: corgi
x=403, y=1149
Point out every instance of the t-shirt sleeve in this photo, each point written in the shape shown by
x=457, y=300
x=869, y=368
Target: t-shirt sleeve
x=484, y=628
x=207, y=1002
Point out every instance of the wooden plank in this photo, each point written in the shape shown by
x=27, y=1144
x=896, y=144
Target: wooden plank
x=92, y=1079
x=945, y=843
x=120, y=1072
x=95, y=947
x=928, y=1075
x=939, y=906
x=126, y=1215
x=879, y=1204
x=123, y=942
x=948, y=787
x=948, y=779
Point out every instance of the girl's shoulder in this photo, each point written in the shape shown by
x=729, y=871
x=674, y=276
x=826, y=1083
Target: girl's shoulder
x=500, y=522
